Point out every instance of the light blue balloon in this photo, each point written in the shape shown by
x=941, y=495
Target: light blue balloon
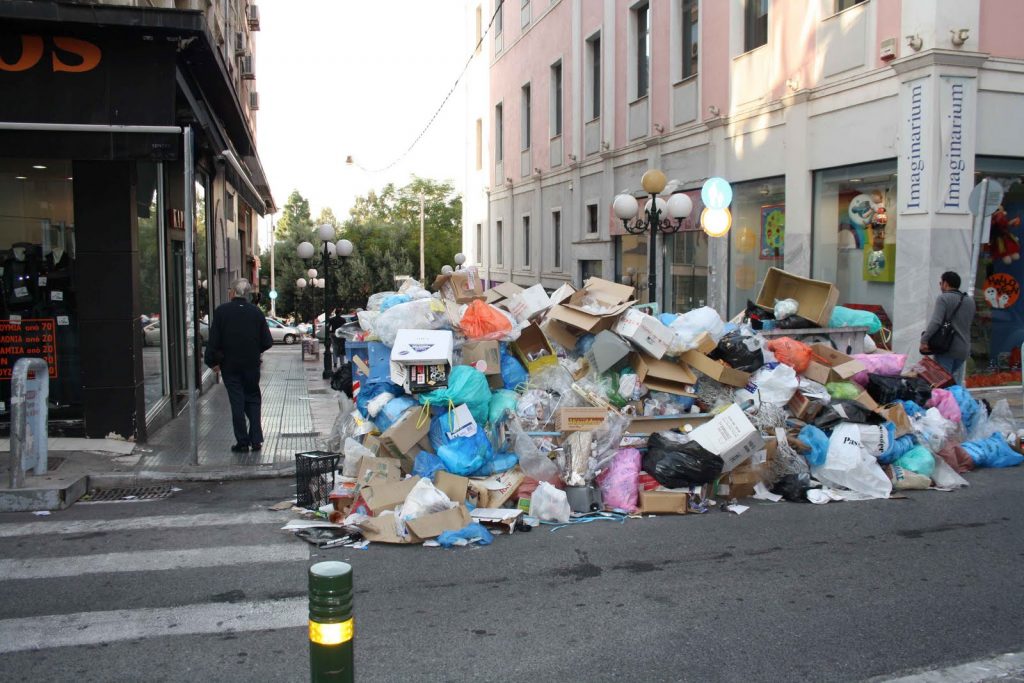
x=716, y=193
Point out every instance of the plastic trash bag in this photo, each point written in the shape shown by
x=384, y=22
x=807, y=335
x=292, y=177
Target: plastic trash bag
x=503, y=403
x=814, y=391
x=932, y=429
x=776, y=385
x=992, y=452
x=341, y=379
x=887, y=390
x=606, y=438
x=791, y=352
x=741, y=350
x=619, y=482
x=378, y=394
x=549, y=504
x=375, y=300
x=423, y=499
x=956, y=457
x=465, y=385
x=845, y=411
x=970, y=408
x=945, y=403
x=793, y=487
x=367, y=319
x=471, y=533
x=847, y=391
x=906, y=480
x=851, y=317
x=1001, y=419
x=818, y=443
x=348, y=423
x=898, y=449
x=687, y=327
x=667, y=318
x=466, y=455
x=849, y=467
x=535, y=464
x=426, y=465
x=536, y=408
x=885, y=364
x=413, y=315
x=785, y=308
x=393, y=301
x=513, y=374
x=393, y=410
x=501, y=462
x=945, y=477
x=918, y=459
x=877, y=440
x=483, y=321
x=354, y=452
x=676, y=465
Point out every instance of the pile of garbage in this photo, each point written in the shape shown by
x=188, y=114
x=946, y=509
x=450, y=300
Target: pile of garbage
x=468, y=411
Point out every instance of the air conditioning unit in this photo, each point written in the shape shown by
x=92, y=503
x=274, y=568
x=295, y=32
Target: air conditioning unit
x=239, y=43
x=246, y=69
x=254, y=101
x=252, y=15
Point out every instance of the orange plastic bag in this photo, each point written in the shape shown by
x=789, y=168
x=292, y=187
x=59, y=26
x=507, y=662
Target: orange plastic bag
x=483, y=321
x=789, y=351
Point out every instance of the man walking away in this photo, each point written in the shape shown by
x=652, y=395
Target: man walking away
x=238, y=336
x=957, y=308
x=336, y=322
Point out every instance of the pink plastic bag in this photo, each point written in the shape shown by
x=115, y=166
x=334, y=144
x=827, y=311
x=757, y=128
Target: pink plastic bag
x=887, y=364
x=945, y=402
x=619, y=482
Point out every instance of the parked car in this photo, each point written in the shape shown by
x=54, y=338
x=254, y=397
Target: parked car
x=151, y=333
x=282, y=333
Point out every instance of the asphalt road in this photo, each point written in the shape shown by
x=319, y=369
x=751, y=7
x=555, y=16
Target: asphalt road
x=205, y=587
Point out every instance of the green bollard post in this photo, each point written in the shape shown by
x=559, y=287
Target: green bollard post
x=331, y=624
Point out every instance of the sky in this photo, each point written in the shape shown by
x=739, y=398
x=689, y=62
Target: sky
x=342, y=78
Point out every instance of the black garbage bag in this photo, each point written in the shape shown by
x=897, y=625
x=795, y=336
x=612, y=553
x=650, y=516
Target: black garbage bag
x=795, y=322
x=733, y=350
x=341, y=380
x=887, y=390
x=845, y=411
x=793, y=487
x=677, y=465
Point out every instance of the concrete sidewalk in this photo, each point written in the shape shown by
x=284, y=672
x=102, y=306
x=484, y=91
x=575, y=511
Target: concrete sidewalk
x=299, y=409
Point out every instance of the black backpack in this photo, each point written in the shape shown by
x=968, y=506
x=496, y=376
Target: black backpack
x=942, y=339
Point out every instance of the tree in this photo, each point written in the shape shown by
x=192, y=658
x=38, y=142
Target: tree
x=294, y=226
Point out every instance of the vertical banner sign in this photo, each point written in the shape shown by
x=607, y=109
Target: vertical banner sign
x=916, y=144
x=956, y=129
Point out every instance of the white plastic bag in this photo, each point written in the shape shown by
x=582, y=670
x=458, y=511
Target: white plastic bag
x=1001, y=420
x=785, y=308
x=932, y=429
x=945, y=477
x=354, y=452
x=849, y=467
x=375, y=300
x=367, y=319
x=814, y=390
x=534, y=463
x=412, y=315
x=690, y=325
x=776, y=385
x=549, y=504
x=424, y=499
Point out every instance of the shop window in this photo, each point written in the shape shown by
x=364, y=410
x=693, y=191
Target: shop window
x=642, y=47
x=686, y=287
x=998, y=329
x=690, y=38
x=757, y=239
x=151, y=255
x=631, y=261
x=755, y=24
x=38, y=312
x=589, y=269
x=853, y=246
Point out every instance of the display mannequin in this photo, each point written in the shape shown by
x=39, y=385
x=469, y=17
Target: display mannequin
x=20, y=278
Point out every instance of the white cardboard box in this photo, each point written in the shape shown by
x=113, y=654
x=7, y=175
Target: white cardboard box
x=529, y=303
x=420, y=347
x=731, y=436
x=645, y=331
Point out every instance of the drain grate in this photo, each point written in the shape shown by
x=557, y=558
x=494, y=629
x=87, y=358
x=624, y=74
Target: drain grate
x=296, y=435
x=138, y=494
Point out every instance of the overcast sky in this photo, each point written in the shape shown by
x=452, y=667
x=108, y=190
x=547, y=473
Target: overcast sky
x=349, y=77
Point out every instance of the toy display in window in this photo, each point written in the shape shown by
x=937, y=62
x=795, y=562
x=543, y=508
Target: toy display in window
x=876, y=259
x=1003, y=244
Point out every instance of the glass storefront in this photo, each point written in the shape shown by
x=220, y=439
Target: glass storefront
x=687, y=265
x=631, y=263
x=854, y=234
x=37, y=253
x=998, y=329
x=757, y=240
x=151, y=253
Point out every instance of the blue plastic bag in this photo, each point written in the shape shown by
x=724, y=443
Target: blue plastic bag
x=501, y=462
x=372, y=391
x=584, y=343
x=465, y=385
x=426, y=465
x=851, y=317
x=898, y=448
x=816, y=439
x=970, y=408
x=476, y=530
x=667, y=318
x=513, y=374
x=912, y=409
x=992, y=452
x=502, y=401
x=394, y=300
x=393, y=410
x=465, y=455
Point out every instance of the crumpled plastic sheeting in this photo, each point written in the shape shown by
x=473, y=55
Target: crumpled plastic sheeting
x=992, y=452
x=946, y=403
x=413, y=315
x=885, y=364
x=970, y=408
x=689, y=326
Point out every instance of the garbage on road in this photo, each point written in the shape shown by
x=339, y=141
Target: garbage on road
x=476, y=413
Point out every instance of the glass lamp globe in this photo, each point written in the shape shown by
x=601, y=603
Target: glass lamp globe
x=301, y=283
x=625, y=207
x=305, y=250
x=716, y=222
x=325, y=232
x=680, y=205
x=447, y=270
x=311, y=272
x=658, y=202
x=344, y=248
x=460, y=258
x=332, y=251
x=653, y=181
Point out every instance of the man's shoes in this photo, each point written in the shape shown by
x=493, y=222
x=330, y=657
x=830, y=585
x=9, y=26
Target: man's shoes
x=255, y=447
x=239, y=448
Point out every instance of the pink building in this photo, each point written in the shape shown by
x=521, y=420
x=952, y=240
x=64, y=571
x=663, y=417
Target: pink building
x=819, y=112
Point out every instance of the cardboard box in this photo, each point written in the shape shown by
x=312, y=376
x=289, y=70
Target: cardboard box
x=816, y=298
x=532, y=344
x=645, y=332
x=897, y=414
x=379, y=497
x=452, y=485
x=864, y=398
x=373, y=470
x=661, y=423
x=729, y=435
x=663, y=375
x=705, y=343
x=403, y=438
x=561, y=333
x=664, y=502
x=382, y=529
x=740, y=482
x=828, y=365
x=716, y=370
x=462, y=286
x=493, y=491
x=803, y=408
x=415, y=348
x=579, y=419
x=498, y=293
x=562, y=293
x=503, y=518
x=485, y=356
x=529, y=303
x=608, y=351
x=614, y=297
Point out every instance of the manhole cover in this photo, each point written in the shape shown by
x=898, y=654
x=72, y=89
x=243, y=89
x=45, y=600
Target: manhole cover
x=127, y=495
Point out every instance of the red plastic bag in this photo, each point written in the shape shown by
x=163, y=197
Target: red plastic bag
x=956, y=457
x=789, y=351
x=483, y=321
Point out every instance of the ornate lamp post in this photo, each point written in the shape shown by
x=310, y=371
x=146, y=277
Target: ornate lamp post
x=329, y=251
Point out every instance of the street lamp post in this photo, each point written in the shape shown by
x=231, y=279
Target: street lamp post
x=329, y=251
x=460, y=258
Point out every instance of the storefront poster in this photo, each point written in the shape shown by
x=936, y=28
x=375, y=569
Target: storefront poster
x=1000, y=283
x=773, y=232
x=880, y=264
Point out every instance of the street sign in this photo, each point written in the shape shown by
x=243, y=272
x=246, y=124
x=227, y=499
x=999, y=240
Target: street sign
x=992, y=201
x=273, y=294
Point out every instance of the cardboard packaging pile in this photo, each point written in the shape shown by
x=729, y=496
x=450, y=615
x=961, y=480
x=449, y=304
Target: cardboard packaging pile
x=457, y=425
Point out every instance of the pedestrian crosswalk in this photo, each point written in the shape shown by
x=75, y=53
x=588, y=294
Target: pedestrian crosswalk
x=80, y=582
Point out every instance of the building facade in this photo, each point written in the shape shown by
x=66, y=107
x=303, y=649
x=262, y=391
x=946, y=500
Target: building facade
x=819, y=113
x=97, y=101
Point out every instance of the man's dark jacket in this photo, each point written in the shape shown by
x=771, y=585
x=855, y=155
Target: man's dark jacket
x=238, y=335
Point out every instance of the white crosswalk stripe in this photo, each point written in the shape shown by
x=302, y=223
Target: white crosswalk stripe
x=41, y=529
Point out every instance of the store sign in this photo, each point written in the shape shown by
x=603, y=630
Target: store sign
x=90, y=78
x=956, y=104
x=915, y=146
x=28, y=337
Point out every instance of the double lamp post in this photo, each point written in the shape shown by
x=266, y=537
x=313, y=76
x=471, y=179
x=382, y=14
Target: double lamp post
x=329, y=251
